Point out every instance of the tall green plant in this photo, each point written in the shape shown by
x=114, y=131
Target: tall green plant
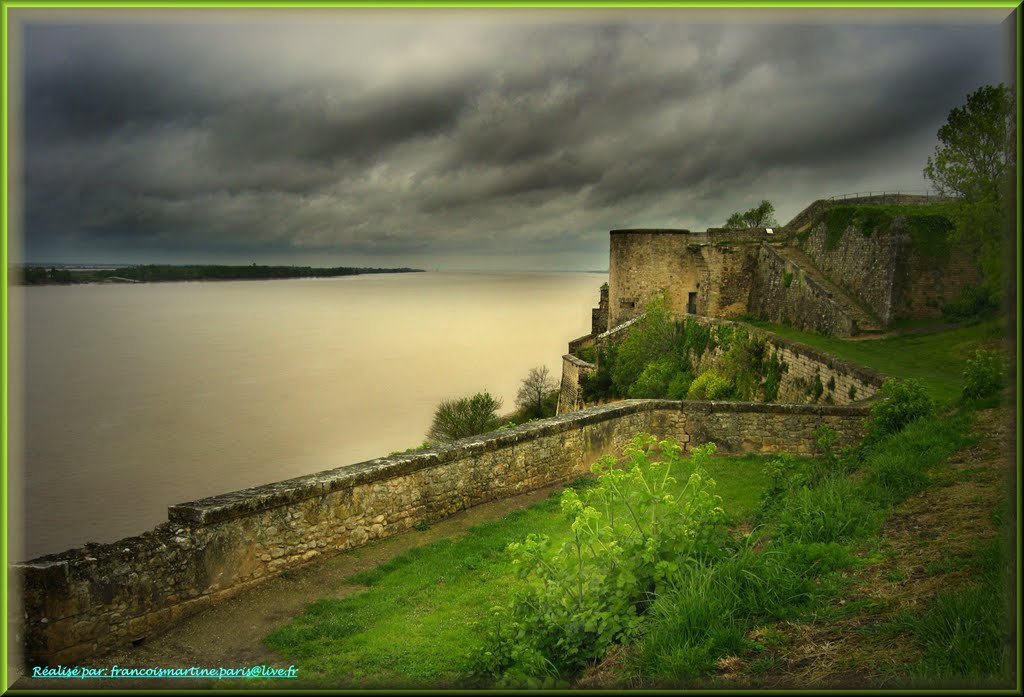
x=631, y=535
x=902, y=401
x=976, y=162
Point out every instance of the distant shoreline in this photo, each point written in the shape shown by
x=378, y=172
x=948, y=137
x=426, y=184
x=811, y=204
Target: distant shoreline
x=32, y=275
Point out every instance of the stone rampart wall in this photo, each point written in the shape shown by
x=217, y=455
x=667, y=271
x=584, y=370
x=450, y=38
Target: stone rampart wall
x=570, y=390
x=85, y=601
x=886, y=271
x=868, y=267
x=715, y=266
x=806, y=368
x=803, y=304
x=842, y=382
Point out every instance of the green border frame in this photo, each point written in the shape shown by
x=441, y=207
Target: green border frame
x=5, y=65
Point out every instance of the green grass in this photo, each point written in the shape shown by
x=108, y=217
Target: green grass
x=433, y=596
x=962, y=632
x=813, y=532
x=937, y=359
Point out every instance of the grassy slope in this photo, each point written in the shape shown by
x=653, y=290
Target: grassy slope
x=935, y=358
x=432, y=596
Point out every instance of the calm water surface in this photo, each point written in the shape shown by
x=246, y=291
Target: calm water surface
x=137, y=397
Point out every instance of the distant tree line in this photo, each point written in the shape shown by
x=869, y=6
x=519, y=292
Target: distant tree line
x=36, y=275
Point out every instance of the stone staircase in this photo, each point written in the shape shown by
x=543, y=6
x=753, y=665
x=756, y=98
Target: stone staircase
x=865, y=322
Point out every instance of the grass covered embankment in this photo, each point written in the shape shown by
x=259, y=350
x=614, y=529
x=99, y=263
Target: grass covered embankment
x=882, y=566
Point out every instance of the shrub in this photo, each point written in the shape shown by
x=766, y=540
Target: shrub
x=461, y=418
x=679, y=386
x=902, y=401
x=985, y=374
x=975, y=304
x=630, y=537
x=599, y=384
x=774, y=368
x=653, y=381
x=709, y=385
x=649, y=340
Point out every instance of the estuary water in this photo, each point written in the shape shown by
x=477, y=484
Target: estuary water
x=125, y=399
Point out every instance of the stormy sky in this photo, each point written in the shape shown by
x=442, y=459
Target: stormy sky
x=456, y=139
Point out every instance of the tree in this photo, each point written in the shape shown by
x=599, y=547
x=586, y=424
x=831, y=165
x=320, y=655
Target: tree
x=533, y=391
x=461, y=418
x=762, y=215
x=975, y=161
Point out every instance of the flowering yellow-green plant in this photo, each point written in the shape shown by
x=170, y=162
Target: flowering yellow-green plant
x=630, y=536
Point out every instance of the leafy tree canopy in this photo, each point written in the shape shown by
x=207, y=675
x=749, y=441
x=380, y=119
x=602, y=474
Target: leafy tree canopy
x=976, y=162
x=762, y=215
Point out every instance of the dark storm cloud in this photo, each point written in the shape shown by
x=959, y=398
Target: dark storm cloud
x=472, y=137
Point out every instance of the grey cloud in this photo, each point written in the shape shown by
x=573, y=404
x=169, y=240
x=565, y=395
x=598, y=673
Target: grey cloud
x=466, y=137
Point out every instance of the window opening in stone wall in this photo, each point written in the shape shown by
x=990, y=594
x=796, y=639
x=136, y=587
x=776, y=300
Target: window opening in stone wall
x=627, y=304
x=691, y=305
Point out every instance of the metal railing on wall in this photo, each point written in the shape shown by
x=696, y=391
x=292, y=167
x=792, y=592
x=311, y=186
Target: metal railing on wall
x=893, y=195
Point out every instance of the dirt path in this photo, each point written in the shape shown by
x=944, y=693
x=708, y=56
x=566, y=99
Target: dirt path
x=231, y=634
x=926, y=541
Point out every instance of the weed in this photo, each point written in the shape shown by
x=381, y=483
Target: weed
x=984, y=375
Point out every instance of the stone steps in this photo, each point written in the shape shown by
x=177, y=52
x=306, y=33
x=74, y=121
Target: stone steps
x=866, y=324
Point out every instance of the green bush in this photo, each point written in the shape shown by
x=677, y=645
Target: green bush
x=653, y=381
x=709, y=385
x=679, y=386
x=976, y=303
x=461, y=418
x=985, y=374
x=902, y=401
x=588, y=354
x=630, y=536
x=648, y=341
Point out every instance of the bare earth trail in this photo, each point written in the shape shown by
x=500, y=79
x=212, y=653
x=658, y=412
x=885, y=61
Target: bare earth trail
x=231, y=634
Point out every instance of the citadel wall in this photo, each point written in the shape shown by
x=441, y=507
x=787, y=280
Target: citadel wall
x=714, y=268
x=887, y=271
x=809, y=374
x=801, y=302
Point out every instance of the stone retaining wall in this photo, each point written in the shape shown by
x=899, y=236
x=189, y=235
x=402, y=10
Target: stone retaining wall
x=806, y=368
x=803, y=304
x=570, y=390
x=842, y=382
x=85, y=601
x=888, y=273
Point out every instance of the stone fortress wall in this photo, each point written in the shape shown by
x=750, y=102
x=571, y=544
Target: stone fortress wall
x=782, y=291
x=85, y=601
x=730, y=273
x=888, y=273
x=805, y=367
